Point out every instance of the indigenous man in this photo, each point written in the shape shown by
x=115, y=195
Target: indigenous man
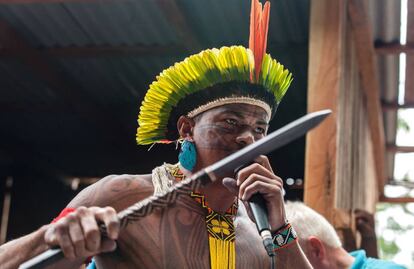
x=214, y=103
x=322, y=245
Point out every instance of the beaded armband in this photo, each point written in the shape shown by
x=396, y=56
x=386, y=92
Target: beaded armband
x=284, y=237
x=64, y=213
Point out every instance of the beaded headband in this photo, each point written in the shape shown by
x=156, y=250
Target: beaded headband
x=230, y=100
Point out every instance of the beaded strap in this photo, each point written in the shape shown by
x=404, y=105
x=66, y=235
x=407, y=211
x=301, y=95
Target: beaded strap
x=284, y=237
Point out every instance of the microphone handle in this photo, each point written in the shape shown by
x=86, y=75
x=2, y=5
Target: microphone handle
x=259, y=210
x=258, y=206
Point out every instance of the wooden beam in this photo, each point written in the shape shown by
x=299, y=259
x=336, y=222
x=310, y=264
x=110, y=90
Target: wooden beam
x=49, y=1
x=369, y=81
x=5, y=213
x=393, y=48
x=403, y=149
x=327, y=20
x=103, y=51
x=396, y=106
x=76, y=182
x=177, y=19
x=409, y=78
x=345, y=227
x=135, y=50
x=397, y=200
x=405, y=183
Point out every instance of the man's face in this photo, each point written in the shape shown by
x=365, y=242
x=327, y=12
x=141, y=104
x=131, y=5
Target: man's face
x=223, y=130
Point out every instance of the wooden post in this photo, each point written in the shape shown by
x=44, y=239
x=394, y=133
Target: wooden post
x=343, y=168
x=364, y=48
x=409, y=79
x=326, y=61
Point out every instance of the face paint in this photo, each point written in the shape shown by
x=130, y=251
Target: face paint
x=224, y=130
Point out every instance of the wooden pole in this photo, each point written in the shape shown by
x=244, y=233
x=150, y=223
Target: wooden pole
x=6, y=210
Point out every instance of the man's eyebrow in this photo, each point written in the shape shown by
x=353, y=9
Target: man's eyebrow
x=241, y=115
x=235, y=113
x=261, y=122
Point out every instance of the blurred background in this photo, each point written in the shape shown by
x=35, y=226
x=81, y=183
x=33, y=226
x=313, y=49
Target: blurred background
x=73, y=74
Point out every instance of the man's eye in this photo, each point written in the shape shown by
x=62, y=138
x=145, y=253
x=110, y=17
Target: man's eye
x=231, y=121
x=259, y=130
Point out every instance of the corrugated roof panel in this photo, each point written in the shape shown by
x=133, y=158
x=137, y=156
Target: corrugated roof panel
x=388, y=68
x=293, y=30
x=117, y=79
x=213, y=24
x=216, y=23
x=123, y=22
x=89, y=23
x=227, y=22
x=44, y=25
x=385, y=21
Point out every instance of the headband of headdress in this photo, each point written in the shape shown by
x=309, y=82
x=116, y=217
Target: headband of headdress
x=212, y=78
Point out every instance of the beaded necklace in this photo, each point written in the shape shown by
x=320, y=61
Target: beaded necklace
x=220, y=229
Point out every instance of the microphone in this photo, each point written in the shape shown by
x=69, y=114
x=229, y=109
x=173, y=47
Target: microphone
x=259, y=210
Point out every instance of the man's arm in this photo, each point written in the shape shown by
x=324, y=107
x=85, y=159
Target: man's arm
x=78, y=233
x=259, y=178
x=17, y=251
x=13, y=253
x=292, y=257
x=365, y=224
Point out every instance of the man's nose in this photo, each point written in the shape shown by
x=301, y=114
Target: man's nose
x=245, y=138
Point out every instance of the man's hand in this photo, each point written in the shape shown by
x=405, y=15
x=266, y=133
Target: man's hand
x=365, y=224
x=78, y=235
x=259, y=178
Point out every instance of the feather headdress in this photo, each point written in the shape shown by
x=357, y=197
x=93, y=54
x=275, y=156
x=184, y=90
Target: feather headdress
x=211, y=78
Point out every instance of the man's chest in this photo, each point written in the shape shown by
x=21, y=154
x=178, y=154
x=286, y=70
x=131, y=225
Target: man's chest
x=178, y=238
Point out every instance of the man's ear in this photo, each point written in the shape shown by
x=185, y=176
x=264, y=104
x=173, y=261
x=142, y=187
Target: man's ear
x=185, y=127
x=316, y=248
x=317, y=253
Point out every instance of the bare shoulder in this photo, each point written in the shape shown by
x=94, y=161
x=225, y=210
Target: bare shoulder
x=117, y=191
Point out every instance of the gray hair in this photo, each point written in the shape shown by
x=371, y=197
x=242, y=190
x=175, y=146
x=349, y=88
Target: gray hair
x=307, y=222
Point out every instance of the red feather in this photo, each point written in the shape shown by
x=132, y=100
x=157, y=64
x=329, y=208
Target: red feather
x=259, y=25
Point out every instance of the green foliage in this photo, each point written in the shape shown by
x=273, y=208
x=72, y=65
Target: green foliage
x=388, y=249
x=396, y=227
x=393, y=225
x=382, y=207
x=403, y=125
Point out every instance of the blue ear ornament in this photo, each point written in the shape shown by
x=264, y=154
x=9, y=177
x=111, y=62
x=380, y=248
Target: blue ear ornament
x=188, y=155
